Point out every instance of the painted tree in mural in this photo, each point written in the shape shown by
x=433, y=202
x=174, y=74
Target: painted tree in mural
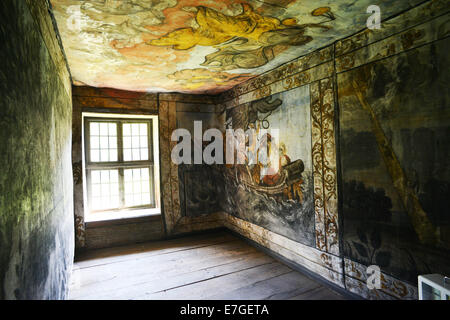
x=425, y=230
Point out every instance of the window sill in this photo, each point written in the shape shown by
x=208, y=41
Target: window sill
x=122, y=215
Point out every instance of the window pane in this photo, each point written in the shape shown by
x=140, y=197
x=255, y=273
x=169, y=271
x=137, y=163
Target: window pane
x=136, y=199
x=114, y=189
x=143, y=129
x=94, y=130
x=126, y=129
x=115, y=202
x=135, y=142
x=103, y=129
x=112, y=129
x=96, y=190
x=95, y=142
x=103, y=139
x=113, y=155
x=144, y=154
x=129, y=200
x=128, y=174
x=104, y=155
x=112, y=142
x=105, y=189
x=143, y=141
x=136, y=155
x=145, y=173
x=104, y=174
x=114, y=176
x=135, y=129
x=135, y=138
x=137, y=188
x=104, y=142
x=146, y=198
x=95, y=176
x=127, y=142
x=95, y=155
x=127, y=155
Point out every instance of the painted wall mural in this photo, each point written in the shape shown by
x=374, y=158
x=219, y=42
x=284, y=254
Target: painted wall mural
x=201, y=185
x=283, y=199
x=396, y=163
x=198, y=46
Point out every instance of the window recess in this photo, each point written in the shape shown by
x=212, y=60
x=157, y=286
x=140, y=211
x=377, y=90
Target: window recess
x=119, y=164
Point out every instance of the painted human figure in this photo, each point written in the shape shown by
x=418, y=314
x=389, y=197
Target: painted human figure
x=272, y=161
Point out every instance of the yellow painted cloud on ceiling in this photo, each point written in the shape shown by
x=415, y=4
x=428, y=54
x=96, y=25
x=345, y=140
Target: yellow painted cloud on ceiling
x=200, y=77
x=215, y=28
x=167, y=45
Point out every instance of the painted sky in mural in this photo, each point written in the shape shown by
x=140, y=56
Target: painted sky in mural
x=281, y=200
x=198, y=46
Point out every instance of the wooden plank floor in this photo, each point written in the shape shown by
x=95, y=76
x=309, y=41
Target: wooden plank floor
x=209, y=266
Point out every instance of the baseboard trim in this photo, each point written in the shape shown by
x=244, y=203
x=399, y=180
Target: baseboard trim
x=194, y=233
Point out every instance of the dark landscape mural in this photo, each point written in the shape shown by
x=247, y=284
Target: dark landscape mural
x=201, y=185
x=395, y=161
x=281, y=198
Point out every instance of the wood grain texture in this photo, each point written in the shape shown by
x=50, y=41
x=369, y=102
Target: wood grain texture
x=115, y=103
x=209, y=266
x=116, y=233
x=325, y=265
x=188, y=98
x=85, y=91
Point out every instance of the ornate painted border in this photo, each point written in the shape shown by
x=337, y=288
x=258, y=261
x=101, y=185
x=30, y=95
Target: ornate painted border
x=287, y=70
x=400, y=23
x=164, y=149
x=425, y=33
x=175, y=222
x=391, y=288
x=324, y=166
x=299, y=79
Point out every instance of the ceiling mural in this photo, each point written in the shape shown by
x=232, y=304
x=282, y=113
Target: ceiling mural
x=198, y=46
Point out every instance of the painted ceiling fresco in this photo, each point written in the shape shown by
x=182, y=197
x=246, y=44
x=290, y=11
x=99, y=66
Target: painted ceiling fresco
x=199, y=46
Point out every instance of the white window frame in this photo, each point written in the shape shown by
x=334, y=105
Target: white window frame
x=153, y=161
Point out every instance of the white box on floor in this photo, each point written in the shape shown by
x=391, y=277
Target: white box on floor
x=434, y=287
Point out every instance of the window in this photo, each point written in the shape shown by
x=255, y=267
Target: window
x=120, y=165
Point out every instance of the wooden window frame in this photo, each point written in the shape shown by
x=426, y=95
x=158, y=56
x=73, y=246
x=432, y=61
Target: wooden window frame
x=120, y=164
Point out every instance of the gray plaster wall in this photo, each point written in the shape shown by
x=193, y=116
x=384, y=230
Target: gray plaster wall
x=36, y=184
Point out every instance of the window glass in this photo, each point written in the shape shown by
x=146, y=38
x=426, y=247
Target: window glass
x=103, y=141
x=135, y=141
x=119, y=170
x=137, y=187
x=105, y=189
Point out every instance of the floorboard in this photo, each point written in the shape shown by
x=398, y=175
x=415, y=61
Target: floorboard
x=208, y=266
